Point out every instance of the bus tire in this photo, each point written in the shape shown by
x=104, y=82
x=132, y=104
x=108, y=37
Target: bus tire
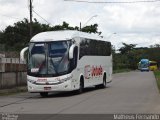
x=44, y=94
x=104, y=84
x=104, y=81
x=81, y=86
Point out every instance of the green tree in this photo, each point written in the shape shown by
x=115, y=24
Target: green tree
x=126, y=48
x=17, y=36
x=1, y=37
x=91, y=29
x=126, y=59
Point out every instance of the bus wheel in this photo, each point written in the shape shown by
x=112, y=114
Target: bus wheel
x=44, y=94
x=81, y=86
x=104, y=84
x=104, y=81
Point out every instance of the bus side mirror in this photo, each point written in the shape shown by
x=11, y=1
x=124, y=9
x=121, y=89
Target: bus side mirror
x=71, y=51
x=22, y=54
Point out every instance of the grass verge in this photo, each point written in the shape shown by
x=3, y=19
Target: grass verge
x=11, y=91
x=121, y=70
x=157, y=76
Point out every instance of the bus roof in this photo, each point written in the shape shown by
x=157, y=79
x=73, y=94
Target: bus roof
x=63, y=35
x=144, y=60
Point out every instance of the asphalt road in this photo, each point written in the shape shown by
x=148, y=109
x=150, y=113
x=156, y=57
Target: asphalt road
x=132, y=92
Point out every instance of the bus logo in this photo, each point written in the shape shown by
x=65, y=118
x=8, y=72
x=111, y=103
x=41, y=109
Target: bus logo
x=93, y=71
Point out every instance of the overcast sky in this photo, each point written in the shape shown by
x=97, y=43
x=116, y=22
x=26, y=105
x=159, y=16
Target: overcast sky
x=133, y=23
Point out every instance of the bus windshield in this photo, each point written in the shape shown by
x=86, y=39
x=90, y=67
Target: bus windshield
x=144, y=64
x=48, y=59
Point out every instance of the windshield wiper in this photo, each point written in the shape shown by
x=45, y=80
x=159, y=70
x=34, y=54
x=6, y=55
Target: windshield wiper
x=54, y=66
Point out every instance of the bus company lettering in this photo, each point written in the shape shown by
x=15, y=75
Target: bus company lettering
x=93, y=71
x=41, y=79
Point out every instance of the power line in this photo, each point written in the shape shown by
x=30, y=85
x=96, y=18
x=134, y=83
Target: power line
x=112, y=2
x=41, y=17
x=31, y=1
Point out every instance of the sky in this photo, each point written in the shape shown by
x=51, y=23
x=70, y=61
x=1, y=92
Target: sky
x=131, y=23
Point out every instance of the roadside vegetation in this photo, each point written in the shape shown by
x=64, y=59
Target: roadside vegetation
x=121, y=70
x=157, y=75
x=129, y=56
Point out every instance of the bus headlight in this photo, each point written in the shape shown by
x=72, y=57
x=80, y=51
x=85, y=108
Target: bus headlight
x=64, y=79
x=31, y=81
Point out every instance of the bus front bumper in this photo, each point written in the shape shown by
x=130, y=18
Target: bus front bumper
x=65, y=86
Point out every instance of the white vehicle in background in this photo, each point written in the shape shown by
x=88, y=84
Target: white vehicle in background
x=66, y=61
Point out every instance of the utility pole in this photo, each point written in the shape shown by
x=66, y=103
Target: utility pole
x=80, y=27
x=30, y=6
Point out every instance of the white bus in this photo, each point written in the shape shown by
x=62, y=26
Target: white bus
x=67, y=60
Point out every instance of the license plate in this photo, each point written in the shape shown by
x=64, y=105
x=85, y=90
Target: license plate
x=47, y=88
